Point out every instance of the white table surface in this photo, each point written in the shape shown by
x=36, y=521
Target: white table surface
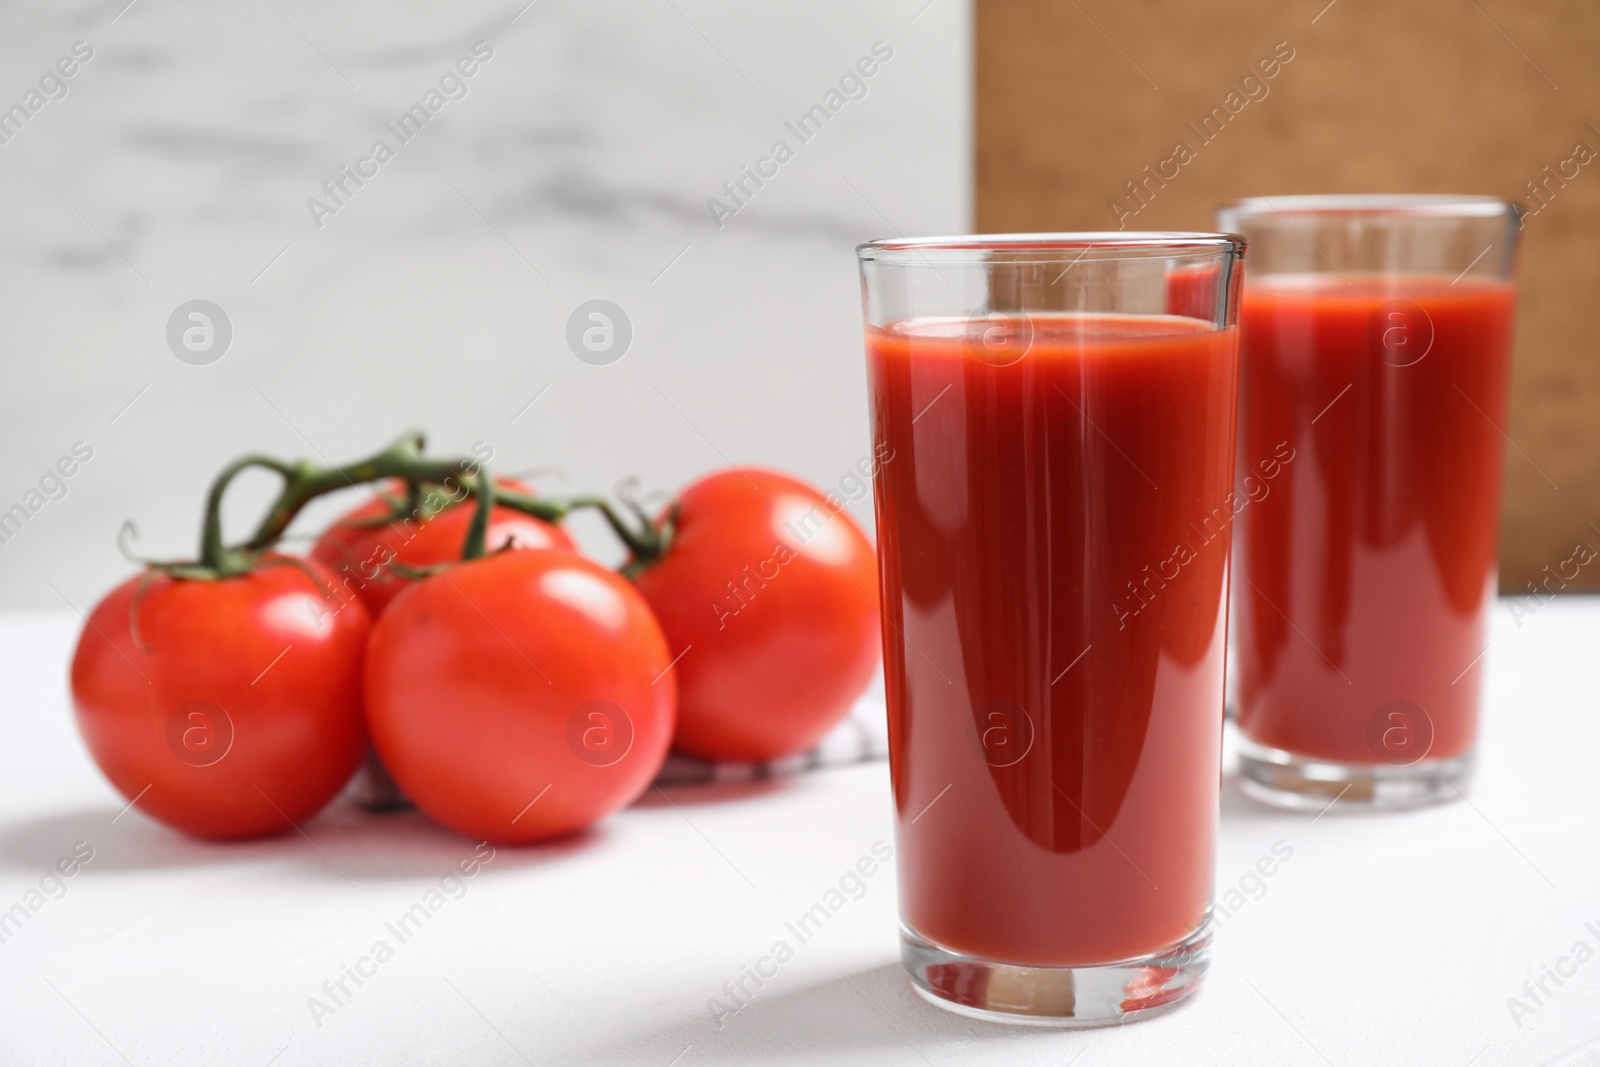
x=1385, y=939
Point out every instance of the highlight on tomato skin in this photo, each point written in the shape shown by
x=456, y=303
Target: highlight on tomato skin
x=358, y=546
x=233, y=710
x=520, y=696
x=768, y=591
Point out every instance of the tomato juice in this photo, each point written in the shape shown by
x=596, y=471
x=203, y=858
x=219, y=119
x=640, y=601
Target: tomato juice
x=1366, y=577
x=1054, y=537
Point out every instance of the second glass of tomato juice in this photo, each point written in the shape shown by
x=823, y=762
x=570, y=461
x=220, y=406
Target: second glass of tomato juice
x=1053, y=417
x=1376, y=341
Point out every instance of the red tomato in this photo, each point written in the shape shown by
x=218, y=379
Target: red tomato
x=520, y=696
x=240, y=715
x=770, y=596
x=358, y=552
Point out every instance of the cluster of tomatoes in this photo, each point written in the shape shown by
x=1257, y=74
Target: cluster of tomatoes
x=514, y=692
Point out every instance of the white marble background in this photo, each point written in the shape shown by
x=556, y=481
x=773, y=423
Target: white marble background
x=178, y=166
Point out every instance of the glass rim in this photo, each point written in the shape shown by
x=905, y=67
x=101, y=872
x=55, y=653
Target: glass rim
x=1053, y=247
x=1398, y=205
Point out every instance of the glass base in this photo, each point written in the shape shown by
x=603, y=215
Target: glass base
x=1305, y=783
x=1069, y=997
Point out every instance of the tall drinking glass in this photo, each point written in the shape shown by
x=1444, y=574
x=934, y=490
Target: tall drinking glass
x=1376, y=344
x=1054, y=418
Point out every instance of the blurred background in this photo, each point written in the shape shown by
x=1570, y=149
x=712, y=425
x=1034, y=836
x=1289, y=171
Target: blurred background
x=184, y=159
x=1425, y=96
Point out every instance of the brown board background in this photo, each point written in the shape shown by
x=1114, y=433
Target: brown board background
x=1075, y=97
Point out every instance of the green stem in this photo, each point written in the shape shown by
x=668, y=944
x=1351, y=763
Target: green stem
x=303, y=482
x=478, y=529
x=645, y=542
x=213, y=553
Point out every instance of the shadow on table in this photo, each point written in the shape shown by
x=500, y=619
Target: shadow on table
x=698, y=794
x=859, y=1017
x=342, y=842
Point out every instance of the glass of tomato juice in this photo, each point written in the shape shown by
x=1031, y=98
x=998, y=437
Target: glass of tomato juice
x=1051, y=415
x=1375, y=348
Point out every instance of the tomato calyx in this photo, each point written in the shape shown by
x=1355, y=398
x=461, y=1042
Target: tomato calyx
x=654, y=544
